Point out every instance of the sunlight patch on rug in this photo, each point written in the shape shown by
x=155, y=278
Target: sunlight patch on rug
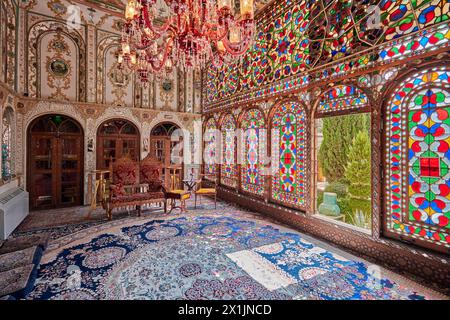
x=323, y=273
x=264, y=272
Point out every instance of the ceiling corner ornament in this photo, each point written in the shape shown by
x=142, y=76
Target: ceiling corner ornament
x=159, y=35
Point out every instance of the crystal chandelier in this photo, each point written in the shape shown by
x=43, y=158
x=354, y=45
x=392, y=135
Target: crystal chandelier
x=192, y=34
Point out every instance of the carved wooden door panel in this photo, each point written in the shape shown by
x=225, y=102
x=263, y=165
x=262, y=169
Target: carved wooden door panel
x=55, y=163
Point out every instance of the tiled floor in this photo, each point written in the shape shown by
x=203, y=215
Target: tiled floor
x=226, y=253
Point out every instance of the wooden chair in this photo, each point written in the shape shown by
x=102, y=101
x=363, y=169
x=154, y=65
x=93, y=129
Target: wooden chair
x=176, y=192
x=202, y=191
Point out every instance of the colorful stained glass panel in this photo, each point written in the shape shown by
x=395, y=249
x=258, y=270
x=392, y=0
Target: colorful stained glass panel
x=342, y=98
x=210, y=156
x=254, y=144
x=229, y=161
x=289, y=155
x=419, y=158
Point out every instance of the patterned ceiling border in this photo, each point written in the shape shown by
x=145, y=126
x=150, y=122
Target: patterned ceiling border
x=393, y=52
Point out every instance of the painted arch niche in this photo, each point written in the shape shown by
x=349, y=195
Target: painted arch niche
x=289, y=154
x=114, y=87
x=56, y=62
x=58, y=77
x=253, y=144
x=8, y=31
x=417, y=160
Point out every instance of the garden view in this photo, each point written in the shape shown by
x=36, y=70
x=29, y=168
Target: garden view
x=344, y=169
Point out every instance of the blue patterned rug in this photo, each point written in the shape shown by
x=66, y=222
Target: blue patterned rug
x=208, y=257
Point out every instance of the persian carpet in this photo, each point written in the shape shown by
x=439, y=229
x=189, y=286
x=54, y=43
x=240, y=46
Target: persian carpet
x=208, y=257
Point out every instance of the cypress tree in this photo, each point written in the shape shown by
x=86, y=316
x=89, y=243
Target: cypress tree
x=338, y=134
x=358, y=173
x=358, y=168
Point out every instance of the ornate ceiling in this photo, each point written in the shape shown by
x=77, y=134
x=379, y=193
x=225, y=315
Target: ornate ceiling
x=116, y=6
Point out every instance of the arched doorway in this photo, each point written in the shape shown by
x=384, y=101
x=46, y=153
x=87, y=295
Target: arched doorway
x=166, y=144
x=55, y=162
x=116, y=138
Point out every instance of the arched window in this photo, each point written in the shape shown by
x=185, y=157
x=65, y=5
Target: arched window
x=166, y=144
x=289, y=148
x=342, y=98
x=7, y=143
x=210, y=155
x=116, y=138
x=417, y=176
x=343, y=156
x=254, y=146
x=229, y=166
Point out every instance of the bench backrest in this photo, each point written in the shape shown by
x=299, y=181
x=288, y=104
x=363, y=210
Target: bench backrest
x=125, y=171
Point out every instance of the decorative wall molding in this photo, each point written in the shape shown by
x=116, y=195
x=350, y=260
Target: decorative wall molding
x=90, y=117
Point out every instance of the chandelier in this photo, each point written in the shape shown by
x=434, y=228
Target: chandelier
x=189, y=36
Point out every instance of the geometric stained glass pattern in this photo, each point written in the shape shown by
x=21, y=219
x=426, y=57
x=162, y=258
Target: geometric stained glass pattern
x=418, y=173
x=229, y=163
x=293, y=39
x=210, y=155
x=7, y=143
x=343, y=97
x=254, y=146
x=289, y=155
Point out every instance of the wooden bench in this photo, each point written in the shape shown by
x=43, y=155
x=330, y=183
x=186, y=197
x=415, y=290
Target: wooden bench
x=135, y=184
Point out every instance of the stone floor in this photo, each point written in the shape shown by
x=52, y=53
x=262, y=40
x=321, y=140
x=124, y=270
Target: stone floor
x=207, y=253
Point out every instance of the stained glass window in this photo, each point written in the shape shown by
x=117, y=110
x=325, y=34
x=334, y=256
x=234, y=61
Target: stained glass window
x=293, y=39
x=254, y=146
x=210, y=155
x=343, y=157
x=229, y=161
x=418, y=159
x=342, y=98
x=289, y=143
x=7, y=143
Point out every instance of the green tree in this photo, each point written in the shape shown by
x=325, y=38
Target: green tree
x=358, y=168
x=338, y=134
x=358, y=173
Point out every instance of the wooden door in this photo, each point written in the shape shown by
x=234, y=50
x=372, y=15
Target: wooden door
x=115, y=139
x=42, y=173
x=55, y=163
x=70, y=188
x=162, y=147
